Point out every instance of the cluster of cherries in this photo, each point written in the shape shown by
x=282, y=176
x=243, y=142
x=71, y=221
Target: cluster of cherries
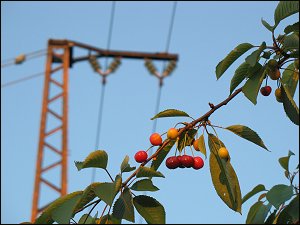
x=173, y=162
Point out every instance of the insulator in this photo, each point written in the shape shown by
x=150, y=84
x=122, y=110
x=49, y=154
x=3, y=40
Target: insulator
x=114, y=65
x=19, y=59
x=94, y=63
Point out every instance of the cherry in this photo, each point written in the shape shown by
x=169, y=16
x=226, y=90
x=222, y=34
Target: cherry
x=187, y=161
x=195, y=144
x=223, y=153
x=155, y=139
x=180, y=161
x=172, y=133
x=198, y=163
x=141, y=156
x=278, y=94
x=265, y=91
x=172, y=162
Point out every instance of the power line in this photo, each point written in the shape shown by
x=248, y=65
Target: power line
x=22, y=79
x=23, y=57
x=100, y=111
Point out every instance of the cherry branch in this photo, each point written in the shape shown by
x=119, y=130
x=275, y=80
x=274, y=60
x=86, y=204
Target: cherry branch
x=183, y=129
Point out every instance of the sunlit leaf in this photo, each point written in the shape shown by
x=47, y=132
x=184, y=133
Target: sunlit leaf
x=289, y=105
x=267, y=25
x=223, y=176
x=247, y=133
x=162, y=155
x=186, y=139
x=170, y=113
x=201, y=145
x=290, y=78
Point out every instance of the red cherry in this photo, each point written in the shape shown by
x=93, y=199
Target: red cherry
x=187, y=161
x=172, y=162
x=266, y=91
x=155, y=139
x=180, y=162
x=198, y=163
x=141, y=156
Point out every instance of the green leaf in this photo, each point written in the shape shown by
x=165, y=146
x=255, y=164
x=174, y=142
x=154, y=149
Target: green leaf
x=231, y=57
x=291, y=42
x=223, y=176
x=266, y=55
x=258, y=213
x=285, y=9
x=292, y=28
x=251, y=87
x=144, y=185
x=109, y=219
x=247, y=133
x=254, y=191
x=125, y=167
x=290, y=78
x=254, y=57
x=86, y=219
x=289, y=105
x=170, y=113
x=123, y=207
x=284, y=161
x=107, y=191
x=162, y=155
x=87, y=196
x=148, y=172
x=279, y=194
x=201, y=145
x=186, y=139
x=290, y=214
x=267, y=25
x=96, y=159
x=239, y=76
x=60, y=210
x=150, y=209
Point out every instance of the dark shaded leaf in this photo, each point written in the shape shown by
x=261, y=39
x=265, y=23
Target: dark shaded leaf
x=254, y=191
x=285, y=9
x=292, y=28
x=231, y=57
x=284, y=161
x=239, y=75
x=279, y=194
x=150, y=209
x=258, y=213
x=144, y=185
x=253, y=58
x=252, y=86
x=267, y=25
x=186, y=139
x=96, y=159
x=125, y=167
x=290, y=214
x=148, y=172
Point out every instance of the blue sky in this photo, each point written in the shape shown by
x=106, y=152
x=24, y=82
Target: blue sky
x=203, y=34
